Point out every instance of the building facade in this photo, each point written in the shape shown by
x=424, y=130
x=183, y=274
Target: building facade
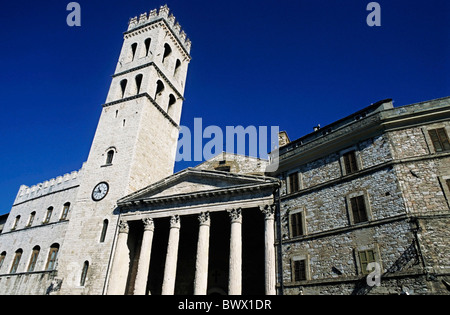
x=370, y=190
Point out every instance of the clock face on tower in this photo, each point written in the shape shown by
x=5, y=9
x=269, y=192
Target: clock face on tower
x=100, y=191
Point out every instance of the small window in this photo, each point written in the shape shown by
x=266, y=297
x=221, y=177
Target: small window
x=16, y=222
x=110, y=157
x=52, y=256
x=31, y=219
x=299, y=270
x=351, y=166
x=33, y=259
x=84, y=273
x=138, y=83
x=359, y=209
x=104, y=230
x=16, y=261
x=448, y=184
x=2, y=259
x=440, y=140
x=48, y=215
x=147, y=42
x=133, y=51
x=365, y=258
x=65, y=211
x=293, y=183
x=123, y=86
x=167, y=52
x=296, y=221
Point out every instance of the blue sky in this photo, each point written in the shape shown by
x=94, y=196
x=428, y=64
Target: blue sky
x=294, y=64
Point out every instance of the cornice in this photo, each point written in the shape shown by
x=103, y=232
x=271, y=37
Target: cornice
x=150, y=99
x=157, y=70
x=237, y=190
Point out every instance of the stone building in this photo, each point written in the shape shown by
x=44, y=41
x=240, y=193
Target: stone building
x=373, y=187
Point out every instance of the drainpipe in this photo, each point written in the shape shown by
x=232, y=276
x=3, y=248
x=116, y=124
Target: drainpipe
x=280, y=245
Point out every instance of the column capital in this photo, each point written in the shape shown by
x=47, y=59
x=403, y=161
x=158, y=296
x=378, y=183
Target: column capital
x=149, y=224
x=235, y=215
x=175, y=222
x=269, y=211
x=204, y=219
x=124, y=227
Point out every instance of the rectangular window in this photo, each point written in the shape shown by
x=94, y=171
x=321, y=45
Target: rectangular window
x=359, y=209
x=448, y=184
x=293, y=183
x=297, y=224
x=440, y=140
x=365, y=258
x=299, y=270
x=351, y=166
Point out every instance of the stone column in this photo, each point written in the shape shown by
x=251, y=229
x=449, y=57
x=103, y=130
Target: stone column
x=269, y=231
x=170, y=270
x=235, y=274
x=140, y=284
x=121, y=263
x=201, y=268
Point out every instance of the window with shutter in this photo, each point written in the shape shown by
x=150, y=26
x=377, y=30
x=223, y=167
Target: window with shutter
x=351, y=166
x=296, y=224
x=293, y=183
x=300, y=270
x=365, y=258
x=440, y=140
x=359, y=211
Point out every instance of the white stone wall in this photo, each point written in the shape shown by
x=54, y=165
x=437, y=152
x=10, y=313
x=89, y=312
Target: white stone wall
x=54, y=193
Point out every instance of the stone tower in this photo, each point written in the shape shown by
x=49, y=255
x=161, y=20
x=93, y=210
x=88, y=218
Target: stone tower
x=134, y=145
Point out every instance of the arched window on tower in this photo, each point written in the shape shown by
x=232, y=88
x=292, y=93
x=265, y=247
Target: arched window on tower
x=177, y=66
x=104, y=230
x=138, y=83
x=84, y=273
x=159, y=88
x=147, y=42
x=123, y=86
x=110, y=157
x=133, y=51
x=172, y=101
x=167, y=52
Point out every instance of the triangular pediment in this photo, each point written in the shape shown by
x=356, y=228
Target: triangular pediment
x=193, y=181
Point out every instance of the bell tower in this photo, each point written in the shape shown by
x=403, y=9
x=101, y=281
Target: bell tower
x=134, y=145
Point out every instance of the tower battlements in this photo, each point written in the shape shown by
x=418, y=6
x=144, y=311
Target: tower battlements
x=164, y=14
x=50, y=186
